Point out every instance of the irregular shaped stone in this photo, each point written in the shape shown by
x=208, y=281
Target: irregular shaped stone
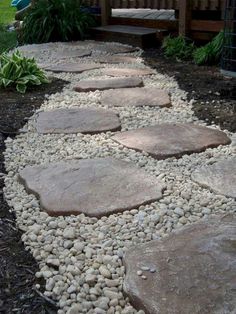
x=172, y=140
x=95, y=187
x=68, y=53
x=126, y=72
x=77, y=120
x=72, y=67
x=195, y=270
x=117, y=59
x=112, y=83
x=219, y=177
x=146, y=96
x=114, y=48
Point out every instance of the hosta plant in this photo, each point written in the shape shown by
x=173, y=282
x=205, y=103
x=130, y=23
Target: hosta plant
x=16, y=70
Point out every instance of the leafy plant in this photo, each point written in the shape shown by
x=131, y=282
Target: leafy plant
x=8, y=40
x=210, y=53
x=56, y=20
x=20, y=71
x=178, y=47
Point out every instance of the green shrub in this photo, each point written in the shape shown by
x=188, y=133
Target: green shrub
x=20, y=71
x=178, y=47
x=55, y=20
x=8, y=40
x=210, y=53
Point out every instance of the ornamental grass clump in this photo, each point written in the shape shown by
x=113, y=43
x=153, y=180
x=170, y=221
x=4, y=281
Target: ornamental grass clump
x=210, y=53
x=55, y=20
x=21, y=72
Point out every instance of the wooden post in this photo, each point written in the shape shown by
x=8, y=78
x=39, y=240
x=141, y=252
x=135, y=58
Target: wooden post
x=185, y=16
x=106, y=12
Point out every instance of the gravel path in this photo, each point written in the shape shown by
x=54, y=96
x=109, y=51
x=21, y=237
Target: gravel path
x=81, y=257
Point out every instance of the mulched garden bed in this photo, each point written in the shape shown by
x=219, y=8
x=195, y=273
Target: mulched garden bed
x=17, y=266
x=214, y=94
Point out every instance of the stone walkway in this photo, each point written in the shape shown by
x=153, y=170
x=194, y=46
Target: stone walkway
x=95, y=178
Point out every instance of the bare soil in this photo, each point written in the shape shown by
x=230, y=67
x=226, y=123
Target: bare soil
x=17, y=266
x=214, y=94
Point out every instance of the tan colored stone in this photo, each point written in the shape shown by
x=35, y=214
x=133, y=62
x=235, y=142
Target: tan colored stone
x=172, y=140
x=117, y=59
x=219, y=177
x=69, y=53
x=112, y=83
x=194, y=270
x=72, y=67
x=127, y=72
x=144, y=96
x=95, y=187
x=77, y=120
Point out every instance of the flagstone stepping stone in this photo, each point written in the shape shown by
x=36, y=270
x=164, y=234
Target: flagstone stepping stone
x=77, y=120
x=117, y=59
x=191, y=271
x=72, y=67
x=114, y=48
x=127, y=72
x=219, y=177
x=144, y=96
x=68, y=53
x=172, y=140
x=95, y=187
x=112, y=83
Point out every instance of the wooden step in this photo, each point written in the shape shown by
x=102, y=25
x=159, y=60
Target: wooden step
x=142, y=37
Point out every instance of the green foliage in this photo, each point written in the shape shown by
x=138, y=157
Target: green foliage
x=8, y=40
x=178, y=48
x=56, y=20
x=20, y=71
x=7, y=13
x=210, y=53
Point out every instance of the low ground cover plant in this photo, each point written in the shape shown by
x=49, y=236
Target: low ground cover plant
x=8, y=40
x=56, y=20
x=21, y=72
x=180, y=48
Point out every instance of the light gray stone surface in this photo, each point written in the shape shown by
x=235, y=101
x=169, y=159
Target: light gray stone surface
x=172, y=140
x=95, y=187
x=219, y=177
x=195, y=270
x=143, y=96
x=71, y=67
x=112, y=83
x=77, y=120
x=69, y=53
x=127, y=72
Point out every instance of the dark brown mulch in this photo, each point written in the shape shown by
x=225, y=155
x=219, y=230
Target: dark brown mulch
x=17, y=266
x=215, y=94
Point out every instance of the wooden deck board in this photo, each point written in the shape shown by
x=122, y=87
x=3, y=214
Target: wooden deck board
x=144, y=14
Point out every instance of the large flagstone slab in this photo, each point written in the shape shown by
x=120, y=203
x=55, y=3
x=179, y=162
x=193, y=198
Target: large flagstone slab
x=77, y=120
x=144, y=96
x=72, y=67
x=117, y=59
x=219, y=177
x=112, y=83
x=68, y=53
x=127, y=72
x=95, y=187
x=191, y=271
x=172, y=140
x=114, y=48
